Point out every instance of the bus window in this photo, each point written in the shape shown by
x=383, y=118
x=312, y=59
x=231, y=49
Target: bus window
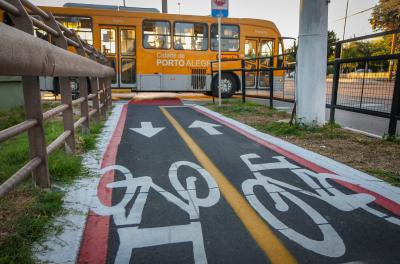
x=250, y=48
x=108, y=40
x=81, y=25
x=280, y=53
x=127, y=56
x=190, y=36
x=266, y=50
x=266, y=61
x=156, y=35
x=229, y=37
x=127, y=41
x=250, y=52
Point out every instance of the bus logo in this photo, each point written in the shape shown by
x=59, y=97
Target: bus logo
x=220, y=2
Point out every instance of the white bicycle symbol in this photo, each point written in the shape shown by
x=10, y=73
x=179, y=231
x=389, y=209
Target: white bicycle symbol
x=332, y=244
x=133, y=237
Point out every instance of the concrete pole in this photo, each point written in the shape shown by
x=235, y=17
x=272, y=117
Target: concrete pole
x=164, y=6
x=312, y=62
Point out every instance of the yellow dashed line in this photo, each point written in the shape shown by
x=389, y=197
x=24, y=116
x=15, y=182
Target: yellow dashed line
x=259, y=230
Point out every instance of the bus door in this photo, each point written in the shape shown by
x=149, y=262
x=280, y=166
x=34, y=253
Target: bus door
x=251, y=51
x=119, y=45
x=266, y=49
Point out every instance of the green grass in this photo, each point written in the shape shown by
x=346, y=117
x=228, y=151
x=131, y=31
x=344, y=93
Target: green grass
x=89, y=140
x=330, y=131
x=30, y=226
x=13, y=116
x=26, y=213
x=394, y=139
x=269, y=120
x=233, y=107
x=385, y=175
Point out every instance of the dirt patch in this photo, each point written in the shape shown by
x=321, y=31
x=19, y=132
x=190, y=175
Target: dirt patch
x=13, y=206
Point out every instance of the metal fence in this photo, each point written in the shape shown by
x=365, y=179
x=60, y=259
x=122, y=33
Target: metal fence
x=351, y=83
x=365, y=91
x=23, y=54
x=275, y=83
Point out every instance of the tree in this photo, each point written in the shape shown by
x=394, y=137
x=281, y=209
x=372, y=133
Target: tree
x=332, y=39
x=291, y=53
x=386, y=16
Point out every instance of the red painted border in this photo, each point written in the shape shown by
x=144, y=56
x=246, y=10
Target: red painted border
x=380, y=200
x=158, y=102
x=94, y=246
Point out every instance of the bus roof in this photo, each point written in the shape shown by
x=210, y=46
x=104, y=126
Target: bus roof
x=99, y=10
x=113, y=7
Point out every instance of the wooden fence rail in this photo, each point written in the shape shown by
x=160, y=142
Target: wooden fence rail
x=22, y=54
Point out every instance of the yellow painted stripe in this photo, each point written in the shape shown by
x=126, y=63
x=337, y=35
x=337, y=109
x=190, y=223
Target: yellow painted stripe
x=259, y=230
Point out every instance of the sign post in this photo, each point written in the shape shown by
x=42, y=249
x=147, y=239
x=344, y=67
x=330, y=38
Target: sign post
x=219, y=9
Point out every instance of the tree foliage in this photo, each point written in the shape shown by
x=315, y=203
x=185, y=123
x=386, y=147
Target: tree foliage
x=359, y=49
x=332, y=39
x=386, y=15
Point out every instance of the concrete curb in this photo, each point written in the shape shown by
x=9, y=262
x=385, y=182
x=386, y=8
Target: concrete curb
x=64, y=247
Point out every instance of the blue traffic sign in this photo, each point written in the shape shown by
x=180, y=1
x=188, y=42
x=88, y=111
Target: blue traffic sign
x=220, y=8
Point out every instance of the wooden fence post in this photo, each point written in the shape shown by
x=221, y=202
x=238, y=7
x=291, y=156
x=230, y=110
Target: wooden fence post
x=395, y=110
x=103, y=109
x=95, y=90
x=83, y=92
x=37, y=140
x=108, y=80
x=68, y=115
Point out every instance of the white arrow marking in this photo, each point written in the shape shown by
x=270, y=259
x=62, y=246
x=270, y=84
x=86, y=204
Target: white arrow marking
x=147, y=129
x=208, y=127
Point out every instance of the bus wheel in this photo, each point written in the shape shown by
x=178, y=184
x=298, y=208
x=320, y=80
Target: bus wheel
x=228, y=85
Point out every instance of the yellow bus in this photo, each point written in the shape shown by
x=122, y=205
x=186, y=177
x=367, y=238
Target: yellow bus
x=153, y=51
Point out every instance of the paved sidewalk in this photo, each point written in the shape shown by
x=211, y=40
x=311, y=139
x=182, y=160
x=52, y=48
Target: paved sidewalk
x=182, y=184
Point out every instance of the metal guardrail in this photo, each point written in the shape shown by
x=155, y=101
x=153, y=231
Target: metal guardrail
x=268, y=71
x=376, y=94
x=22, y=54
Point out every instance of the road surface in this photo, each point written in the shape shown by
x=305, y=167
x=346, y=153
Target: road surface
x=181, y=184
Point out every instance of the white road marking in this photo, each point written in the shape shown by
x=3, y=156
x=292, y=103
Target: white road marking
x=147, y=129
x=132, y=238
x=76, y=204
x=208, y=127
x=376, y=185
x=331, y=244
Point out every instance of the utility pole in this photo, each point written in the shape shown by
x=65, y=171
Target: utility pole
x=124, y=4
x=311, y=62
x=392, y=51
x=345, y=20
x=164, y=6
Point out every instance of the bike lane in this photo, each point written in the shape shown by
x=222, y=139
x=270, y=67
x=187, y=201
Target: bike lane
x=313, y=229
x=149, y=209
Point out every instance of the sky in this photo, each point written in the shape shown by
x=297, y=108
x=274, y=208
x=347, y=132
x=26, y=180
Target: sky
x=284, y=13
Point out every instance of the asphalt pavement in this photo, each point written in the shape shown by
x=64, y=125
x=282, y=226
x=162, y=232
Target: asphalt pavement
x=182, y=184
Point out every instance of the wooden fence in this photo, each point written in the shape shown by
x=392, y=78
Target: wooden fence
x=23, y=54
